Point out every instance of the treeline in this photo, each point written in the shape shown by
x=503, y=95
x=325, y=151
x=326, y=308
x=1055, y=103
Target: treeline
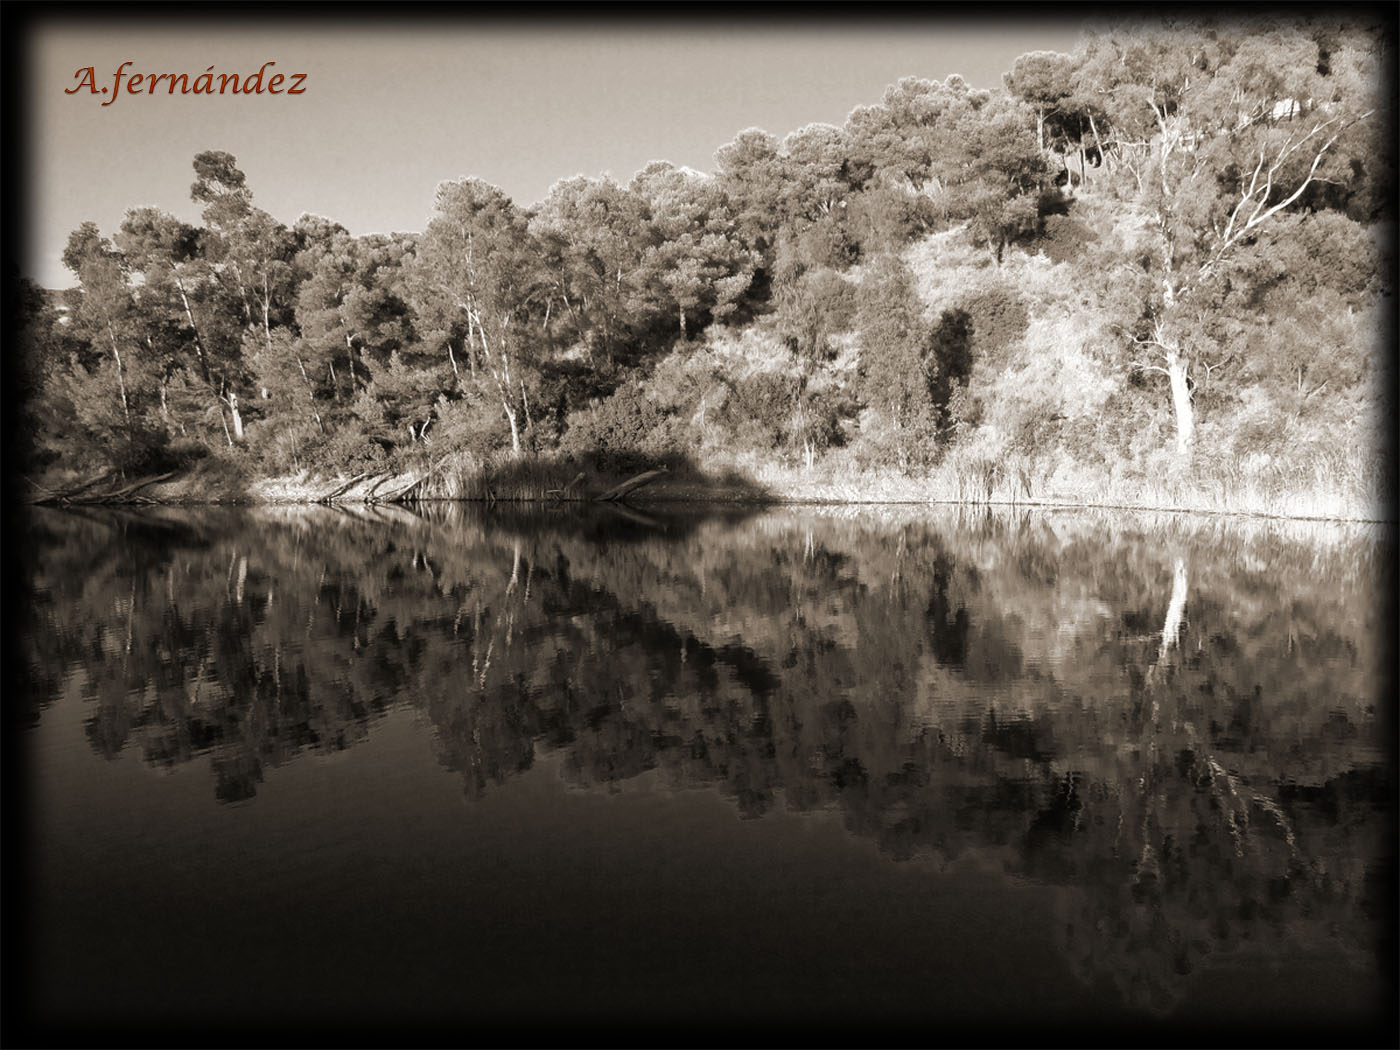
x=1209, y=197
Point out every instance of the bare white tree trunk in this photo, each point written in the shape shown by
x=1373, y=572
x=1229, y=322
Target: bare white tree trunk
x=1181, y=403
x=237, y=416
x=121, y=374
x=514, y=428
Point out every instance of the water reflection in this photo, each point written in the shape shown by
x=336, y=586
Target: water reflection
x=1177, y=723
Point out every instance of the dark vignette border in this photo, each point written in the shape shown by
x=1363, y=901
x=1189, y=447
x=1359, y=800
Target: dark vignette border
x=19, y=1025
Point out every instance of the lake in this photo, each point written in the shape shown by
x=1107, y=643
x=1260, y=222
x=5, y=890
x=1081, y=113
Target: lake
x=713, y=774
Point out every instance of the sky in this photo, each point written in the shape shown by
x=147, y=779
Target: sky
x=391, y=109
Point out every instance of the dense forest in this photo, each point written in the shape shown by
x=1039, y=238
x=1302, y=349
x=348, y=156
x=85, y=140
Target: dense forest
x=1154, y=270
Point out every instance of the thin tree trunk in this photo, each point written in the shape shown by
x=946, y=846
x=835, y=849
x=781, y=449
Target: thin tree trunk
x=263, y=391
x=1103, y=157
x=514, y=429
x=223, y=419
x=311, y=393
x=237, y=416
x=121, y=378
x=199, y=351
x=266, y=312
x=1181, y=403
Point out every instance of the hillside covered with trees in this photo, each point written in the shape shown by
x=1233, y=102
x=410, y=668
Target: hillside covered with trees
x=1155, y=270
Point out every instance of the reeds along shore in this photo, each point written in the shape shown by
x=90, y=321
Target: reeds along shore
x=1341, y=489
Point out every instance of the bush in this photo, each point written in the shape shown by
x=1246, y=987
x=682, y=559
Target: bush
x=883, y=446
x=828, y=243
x=626, y=432
x=1064, y=239
x=349, y=449
x=886, y=218
x=811, y=309
x=999, y=320
x=760, y=409
x=470, y=426
x=287, y=448
x=963, y=412
x=814, y=425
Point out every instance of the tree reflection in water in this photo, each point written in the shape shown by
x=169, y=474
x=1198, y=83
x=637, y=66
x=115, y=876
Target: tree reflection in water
x=1177, y=723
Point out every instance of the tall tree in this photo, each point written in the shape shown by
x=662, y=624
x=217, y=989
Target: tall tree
x=898, y=371
x=352, y=302
x=104, y=313
x=1047, y=82
x=995, y=173
x=113, y=398
x=1241, y=125
x=815, y=172
x=703, y=268
x=595, y=236
x=251, y=253
x=45, y=349
x=167, y=255
x=750, y=174
x=1043, y=80
x=477, y=260
x=912, y=129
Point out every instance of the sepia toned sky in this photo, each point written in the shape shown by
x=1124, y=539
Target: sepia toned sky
x=390, y=109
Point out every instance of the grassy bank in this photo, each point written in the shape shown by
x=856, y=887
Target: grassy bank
x=1340, y=488
x=1353, y=489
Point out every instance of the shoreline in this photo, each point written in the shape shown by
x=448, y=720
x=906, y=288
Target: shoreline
x=721, y=498
x=547, y=481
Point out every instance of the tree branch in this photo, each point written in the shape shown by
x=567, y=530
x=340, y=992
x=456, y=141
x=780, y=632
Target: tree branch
x=1149, y=368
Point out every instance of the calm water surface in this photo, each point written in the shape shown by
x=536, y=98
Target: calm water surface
x=810, y=766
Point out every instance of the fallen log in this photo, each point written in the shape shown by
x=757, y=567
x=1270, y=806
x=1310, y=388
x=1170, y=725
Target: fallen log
x=68, y=494
x=379, y=483
x=342, y=489
x=617, y=492
x=398, y=495
x=402, y=494
x=41, y=496
x=116, y=497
